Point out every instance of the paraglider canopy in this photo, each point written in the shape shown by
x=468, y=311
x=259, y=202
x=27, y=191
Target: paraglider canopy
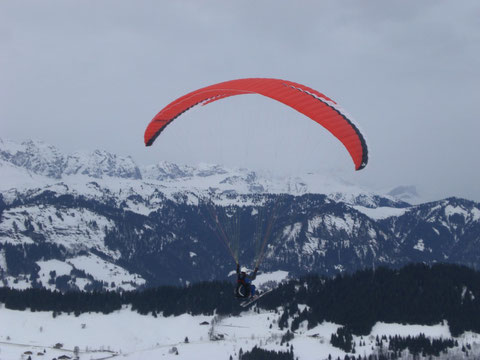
x=305, y=100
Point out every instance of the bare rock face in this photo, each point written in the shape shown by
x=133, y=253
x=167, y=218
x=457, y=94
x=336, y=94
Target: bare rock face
x=35, y=156
x=98, y=164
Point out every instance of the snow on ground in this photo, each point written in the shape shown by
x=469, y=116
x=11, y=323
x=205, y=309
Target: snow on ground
x=455, y=210
x=123, y=332
x=291, y=232
x=475, y=214
x=20, y=178
x=420, y=246
x=381, y=212
x=433, y=331
x=46, y=267
x=20, y=282
x=469, y=215
x=265, y=280
x=72, y=228
x=334, y=222
x=92, y=265
x=313, y=223
x=312, y=245
x=135, y=336
x=3, y=260
x=104, y=271
x=131, y=336
x=277, y=276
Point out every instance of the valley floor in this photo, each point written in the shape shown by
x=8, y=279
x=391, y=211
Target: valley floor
x=129, y=335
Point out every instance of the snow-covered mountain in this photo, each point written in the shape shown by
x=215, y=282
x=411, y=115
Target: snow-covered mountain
x=35, y=156
x=61, y=214
x=35, y=164
x=43, y=159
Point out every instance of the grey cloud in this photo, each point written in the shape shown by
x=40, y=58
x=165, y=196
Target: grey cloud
x=85, y=75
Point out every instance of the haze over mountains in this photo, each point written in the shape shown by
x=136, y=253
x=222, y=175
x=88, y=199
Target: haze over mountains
x=46, y=161
x=98, y=220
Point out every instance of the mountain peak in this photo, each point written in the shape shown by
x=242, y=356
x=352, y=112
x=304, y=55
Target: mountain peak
x=34, y=155
x=99, y=163
x=41, y=158
x=165, y=170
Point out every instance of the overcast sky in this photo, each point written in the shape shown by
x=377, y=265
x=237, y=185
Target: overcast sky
x=92, y=74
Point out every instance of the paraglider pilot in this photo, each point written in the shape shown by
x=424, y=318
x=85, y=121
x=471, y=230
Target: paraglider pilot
x=245, y=288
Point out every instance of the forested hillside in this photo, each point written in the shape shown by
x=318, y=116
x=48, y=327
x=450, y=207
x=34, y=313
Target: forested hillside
x=415, y=294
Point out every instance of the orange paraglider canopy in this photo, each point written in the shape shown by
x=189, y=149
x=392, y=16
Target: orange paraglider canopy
x=305, y=100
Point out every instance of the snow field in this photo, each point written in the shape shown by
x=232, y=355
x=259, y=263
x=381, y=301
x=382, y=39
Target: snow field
x=48, y=266
x=128, y=335
x=93, y=265
x=104, y=271
x=381, y=212
x=434, y=331
x=72, y=228
x=14, y=177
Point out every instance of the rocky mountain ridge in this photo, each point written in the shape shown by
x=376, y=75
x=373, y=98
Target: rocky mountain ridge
x=100, y=221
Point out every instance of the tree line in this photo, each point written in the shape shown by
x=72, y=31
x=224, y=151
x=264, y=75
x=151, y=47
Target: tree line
x=393, y=346
x=415, y=294
x=261, y=354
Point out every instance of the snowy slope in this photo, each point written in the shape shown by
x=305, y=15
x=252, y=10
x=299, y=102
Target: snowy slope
x=131, y=336
x=381, y=212
x=35, y=156
x=99, y=163
x=15, y=177
x=87, y=267
x=61, y=228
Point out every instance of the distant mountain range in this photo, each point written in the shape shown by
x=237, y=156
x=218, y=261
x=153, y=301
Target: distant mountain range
x=98, y=220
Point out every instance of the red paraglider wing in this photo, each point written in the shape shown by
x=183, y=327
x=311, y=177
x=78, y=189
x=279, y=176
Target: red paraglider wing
x=305, y=100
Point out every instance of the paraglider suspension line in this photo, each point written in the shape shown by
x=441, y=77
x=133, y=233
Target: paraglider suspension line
x=223, y=236
x=271, y=221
